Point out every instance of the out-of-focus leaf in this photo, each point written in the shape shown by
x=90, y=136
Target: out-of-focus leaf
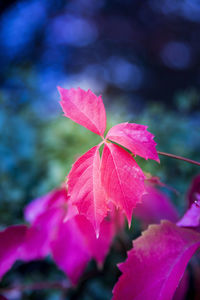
x=156, y=263
x=155, y=206
x=11, y=240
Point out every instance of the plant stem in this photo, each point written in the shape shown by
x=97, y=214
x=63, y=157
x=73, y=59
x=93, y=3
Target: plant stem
x=57, y=285
x=179, y=157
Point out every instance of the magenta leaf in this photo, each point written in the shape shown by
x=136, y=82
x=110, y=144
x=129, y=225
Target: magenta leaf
x=122, y=178
x=84, y=108
x=195, y=268
x=182, y=288
x=44, y=213
x=11, y=240
x=69, y=238
x=85, y=189
x=75, y=243
x=136, y=138
x=155, y=206
x=40, y=233
x=99, y=247
x=53, y=236
x=192, y=216
x=194, y=190
x=69, y=250
x=156, y=263
x=41, y=204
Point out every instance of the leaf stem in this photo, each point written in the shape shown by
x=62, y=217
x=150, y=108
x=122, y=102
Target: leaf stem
x=179, y=157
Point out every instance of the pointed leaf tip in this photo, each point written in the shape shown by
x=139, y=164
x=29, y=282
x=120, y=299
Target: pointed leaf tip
x=192, y=216
x=194, y=190
x=84, y=108
x=85, y=188
x=135, y=138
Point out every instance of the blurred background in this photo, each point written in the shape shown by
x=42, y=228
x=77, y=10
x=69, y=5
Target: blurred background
x=143, y=57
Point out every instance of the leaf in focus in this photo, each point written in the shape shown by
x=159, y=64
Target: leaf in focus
x=135, y=138
x=84, y=108
x=85, y=189
x=122, y=178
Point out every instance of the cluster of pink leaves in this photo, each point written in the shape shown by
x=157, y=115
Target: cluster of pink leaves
x=94, y=182
x=156, y=265
x=77, y=224
x=56, y=229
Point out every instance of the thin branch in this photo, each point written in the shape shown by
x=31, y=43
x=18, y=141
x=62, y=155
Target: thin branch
x=63, y=285
x=179, y=157
x=55, y=285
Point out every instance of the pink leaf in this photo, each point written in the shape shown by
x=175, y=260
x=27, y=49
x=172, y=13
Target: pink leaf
x=71, y=240
x=84, y=108
x=71, y=212
x=156, y=263
x=69, y=250
x=11, y=240
x=192, y=216
x=54, y=236
x=136, y=138
x=182, y=288
x=49, y=234
x=194, y=190
x=44, y=214
x=85, y=189
x=72, y=243
x=39, y=235
x=195, y=268
x=97, y=247
x=41, y=204
x=155, y=206
x=122, y=178
x=75, y=243
x=117, y=218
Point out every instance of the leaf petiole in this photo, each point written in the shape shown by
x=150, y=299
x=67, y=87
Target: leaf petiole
x=179, y=157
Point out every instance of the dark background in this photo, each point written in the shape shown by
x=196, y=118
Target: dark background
x=142, y=56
